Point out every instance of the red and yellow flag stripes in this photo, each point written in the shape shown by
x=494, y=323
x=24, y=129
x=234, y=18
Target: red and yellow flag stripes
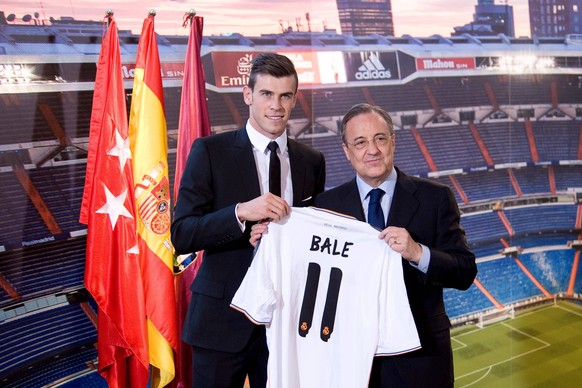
x=148, y=143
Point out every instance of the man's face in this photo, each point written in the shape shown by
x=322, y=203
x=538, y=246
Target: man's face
x=270, y=103
x=375, y=160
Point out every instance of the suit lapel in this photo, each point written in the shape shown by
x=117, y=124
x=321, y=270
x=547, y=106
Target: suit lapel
x=349, y=201
x=297, y=173
x=404, y=204
x=245, y=161
x=352, y=198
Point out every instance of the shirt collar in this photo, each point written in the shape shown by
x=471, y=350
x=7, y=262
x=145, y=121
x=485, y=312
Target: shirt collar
x=260, y=141
x=388, y=185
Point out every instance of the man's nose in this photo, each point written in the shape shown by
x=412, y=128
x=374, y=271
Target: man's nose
x=276, y=104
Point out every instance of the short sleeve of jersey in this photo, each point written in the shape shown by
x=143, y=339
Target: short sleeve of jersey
x=397, y=328
x=256, y=296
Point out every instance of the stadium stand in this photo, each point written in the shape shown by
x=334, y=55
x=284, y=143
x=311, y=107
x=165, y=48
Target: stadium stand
x=33, y=338
x=408, y=155
x=533, y=180
x=461, y=303
x=458, y=138
x=506, y=141
x=567, y=177
x=44, y=268
x=460, y=92
x=76, y=366
x=62, y=188
x=400, y=98
x=557, y=140
x=22, y=223
x=548, y=218
x=506, y=281
x=551, y=268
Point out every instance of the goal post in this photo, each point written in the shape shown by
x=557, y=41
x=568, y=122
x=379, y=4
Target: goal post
x=493, y=316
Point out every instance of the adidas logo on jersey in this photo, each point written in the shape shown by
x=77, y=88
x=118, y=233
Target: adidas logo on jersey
x=373, y=69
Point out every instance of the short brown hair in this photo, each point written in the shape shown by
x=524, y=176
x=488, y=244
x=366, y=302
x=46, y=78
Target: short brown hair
x=273, y=64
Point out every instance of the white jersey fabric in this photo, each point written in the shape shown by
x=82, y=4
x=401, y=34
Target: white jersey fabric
x=331, y=295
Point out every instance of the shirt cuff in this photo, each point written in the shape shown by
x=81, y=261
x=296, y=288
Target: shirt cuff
x=422, y=265
x=241, y=224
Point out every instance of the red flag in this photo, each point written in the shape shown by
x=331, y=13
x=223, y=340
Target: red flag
x=112, y=271
x=194, y=123
x=149, y=148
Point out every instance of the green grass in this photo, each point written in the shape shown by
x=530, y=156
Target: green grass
x=540, y=347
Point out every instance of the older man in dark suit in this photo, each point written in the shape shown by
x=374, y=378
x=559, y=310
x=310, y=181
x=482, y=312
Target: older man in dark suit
x=420, y=220
x=224, y=190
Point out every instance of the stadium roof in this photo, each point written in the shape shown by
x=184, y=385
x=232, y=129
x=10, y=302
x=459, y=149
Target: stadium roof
x=69, y=36
x=323, y=59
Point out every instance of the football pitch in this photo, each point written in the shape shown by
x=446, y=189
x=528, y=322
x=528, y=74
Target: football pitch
x=540, y=347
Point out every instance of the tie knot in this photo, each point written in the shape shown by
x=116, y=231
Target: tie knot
x=273, y=146
x=376, y=195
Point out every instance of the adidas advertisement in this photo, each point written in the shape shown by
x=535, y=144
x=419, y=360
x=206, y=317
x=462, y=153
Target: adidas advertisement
x=371, y=66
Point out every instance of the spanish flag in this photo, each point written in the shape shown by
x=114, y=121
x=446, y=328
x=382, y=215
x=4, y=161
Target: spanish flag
x=149, y=148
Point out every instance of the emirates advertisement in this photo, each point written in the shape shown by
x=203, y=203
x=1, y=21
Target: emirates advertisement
x=232, y=69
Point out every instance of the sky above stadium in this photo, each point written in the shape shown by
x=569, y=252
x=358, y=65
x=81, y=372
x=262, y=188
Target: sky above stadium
x=420, y=18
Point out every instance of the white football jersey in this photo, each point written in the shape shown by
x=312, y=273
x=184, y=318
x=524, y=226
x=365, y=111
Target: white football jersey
x=331, y=295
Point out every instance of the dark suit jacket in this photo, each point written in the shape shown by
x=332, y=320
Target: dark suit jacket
x=429, y=212
x=221, y=172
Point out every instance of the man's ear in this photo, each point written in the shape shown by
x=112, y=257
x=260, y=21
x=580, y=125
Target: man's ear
x=247, y=95
x=346, y=151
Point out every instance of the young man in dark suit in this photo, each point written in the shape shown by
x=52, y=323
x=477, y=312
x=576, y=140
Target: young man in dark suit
x=224, y=190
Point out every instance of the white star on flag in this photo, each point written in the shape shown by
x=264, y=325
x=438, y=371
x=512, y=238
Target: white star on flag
x=133, y=250
x=121, y=149
x=114, y=206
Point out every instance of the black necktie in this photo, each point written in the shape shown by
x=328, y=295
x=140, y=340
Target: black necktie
x=375, y=213
x=274, y=170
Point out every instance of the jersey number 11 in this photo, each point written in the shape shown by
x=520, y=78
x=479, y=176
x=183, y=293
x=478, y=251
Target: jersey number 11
x=309, y=296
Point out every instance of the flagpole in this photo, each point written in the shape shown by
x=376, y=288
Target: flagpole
x=106, y=22
x=189, y=16
x=109, y=16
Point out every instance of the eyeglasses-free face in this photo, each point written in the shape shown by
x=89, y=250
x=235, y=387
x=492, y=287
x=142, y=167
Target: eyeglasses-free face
x=270, y=103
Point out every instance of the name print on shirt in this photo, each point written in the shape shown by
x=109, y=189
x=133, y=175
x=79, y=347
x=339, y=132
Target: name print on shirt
x=330, y=246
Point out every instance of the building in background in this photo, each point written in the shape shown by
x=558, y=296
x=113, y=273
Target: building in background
x=555, y=17
x=489, y=19
x=361, y=17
